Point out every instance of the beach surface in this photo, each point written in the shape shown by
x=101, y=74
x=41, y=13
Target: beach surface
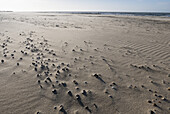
x=84, y=64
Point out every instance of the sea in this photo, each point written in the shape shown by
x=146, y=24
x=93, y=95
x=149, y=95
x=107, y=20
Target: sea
x=162, y=14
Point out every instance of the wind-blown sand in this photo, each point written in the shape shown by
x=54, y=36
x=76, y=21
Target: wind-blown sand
x=80, y=64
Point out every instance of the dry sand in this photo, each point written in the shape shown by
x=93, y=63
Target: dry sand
x=80, y=64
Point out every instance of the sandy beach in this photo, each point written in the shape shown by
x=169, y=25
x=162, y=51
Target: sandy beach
x=84, y=64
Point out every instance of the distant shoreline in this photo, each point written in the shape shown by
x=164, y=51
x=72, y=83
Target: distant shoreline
x=159, y=14
x=6, y=11
x=113, y=13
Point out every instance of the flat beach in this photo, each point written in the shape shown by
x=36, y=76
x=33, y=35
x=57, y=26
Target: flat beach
x=54, y=63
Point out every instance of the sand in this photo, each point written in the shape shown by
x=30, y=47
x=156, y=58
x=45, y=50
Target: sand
x=81, y=64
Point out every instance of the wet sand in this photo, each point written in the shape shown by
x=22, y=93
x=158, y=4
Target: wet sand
x=81, y=64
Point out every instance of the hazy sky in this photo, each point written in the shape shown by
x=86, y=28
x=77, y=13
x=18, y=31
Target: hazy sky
x=86, y=5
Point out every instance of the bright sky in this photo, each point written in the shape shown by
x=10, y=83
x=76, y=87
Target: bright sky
x=86, y=5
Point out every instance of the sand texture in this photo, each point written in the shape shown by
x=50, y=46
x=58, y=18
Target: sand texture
x=81, y=64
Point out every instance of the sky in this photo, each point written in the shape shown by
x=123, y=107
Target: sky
x=86, y=5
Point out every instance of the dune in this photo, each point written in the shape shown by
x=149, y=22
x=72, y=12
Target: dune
x=81, y=64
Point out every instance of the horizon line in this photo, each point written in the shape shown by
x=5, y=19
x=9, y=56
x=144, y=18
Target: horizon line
x=51, y=11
